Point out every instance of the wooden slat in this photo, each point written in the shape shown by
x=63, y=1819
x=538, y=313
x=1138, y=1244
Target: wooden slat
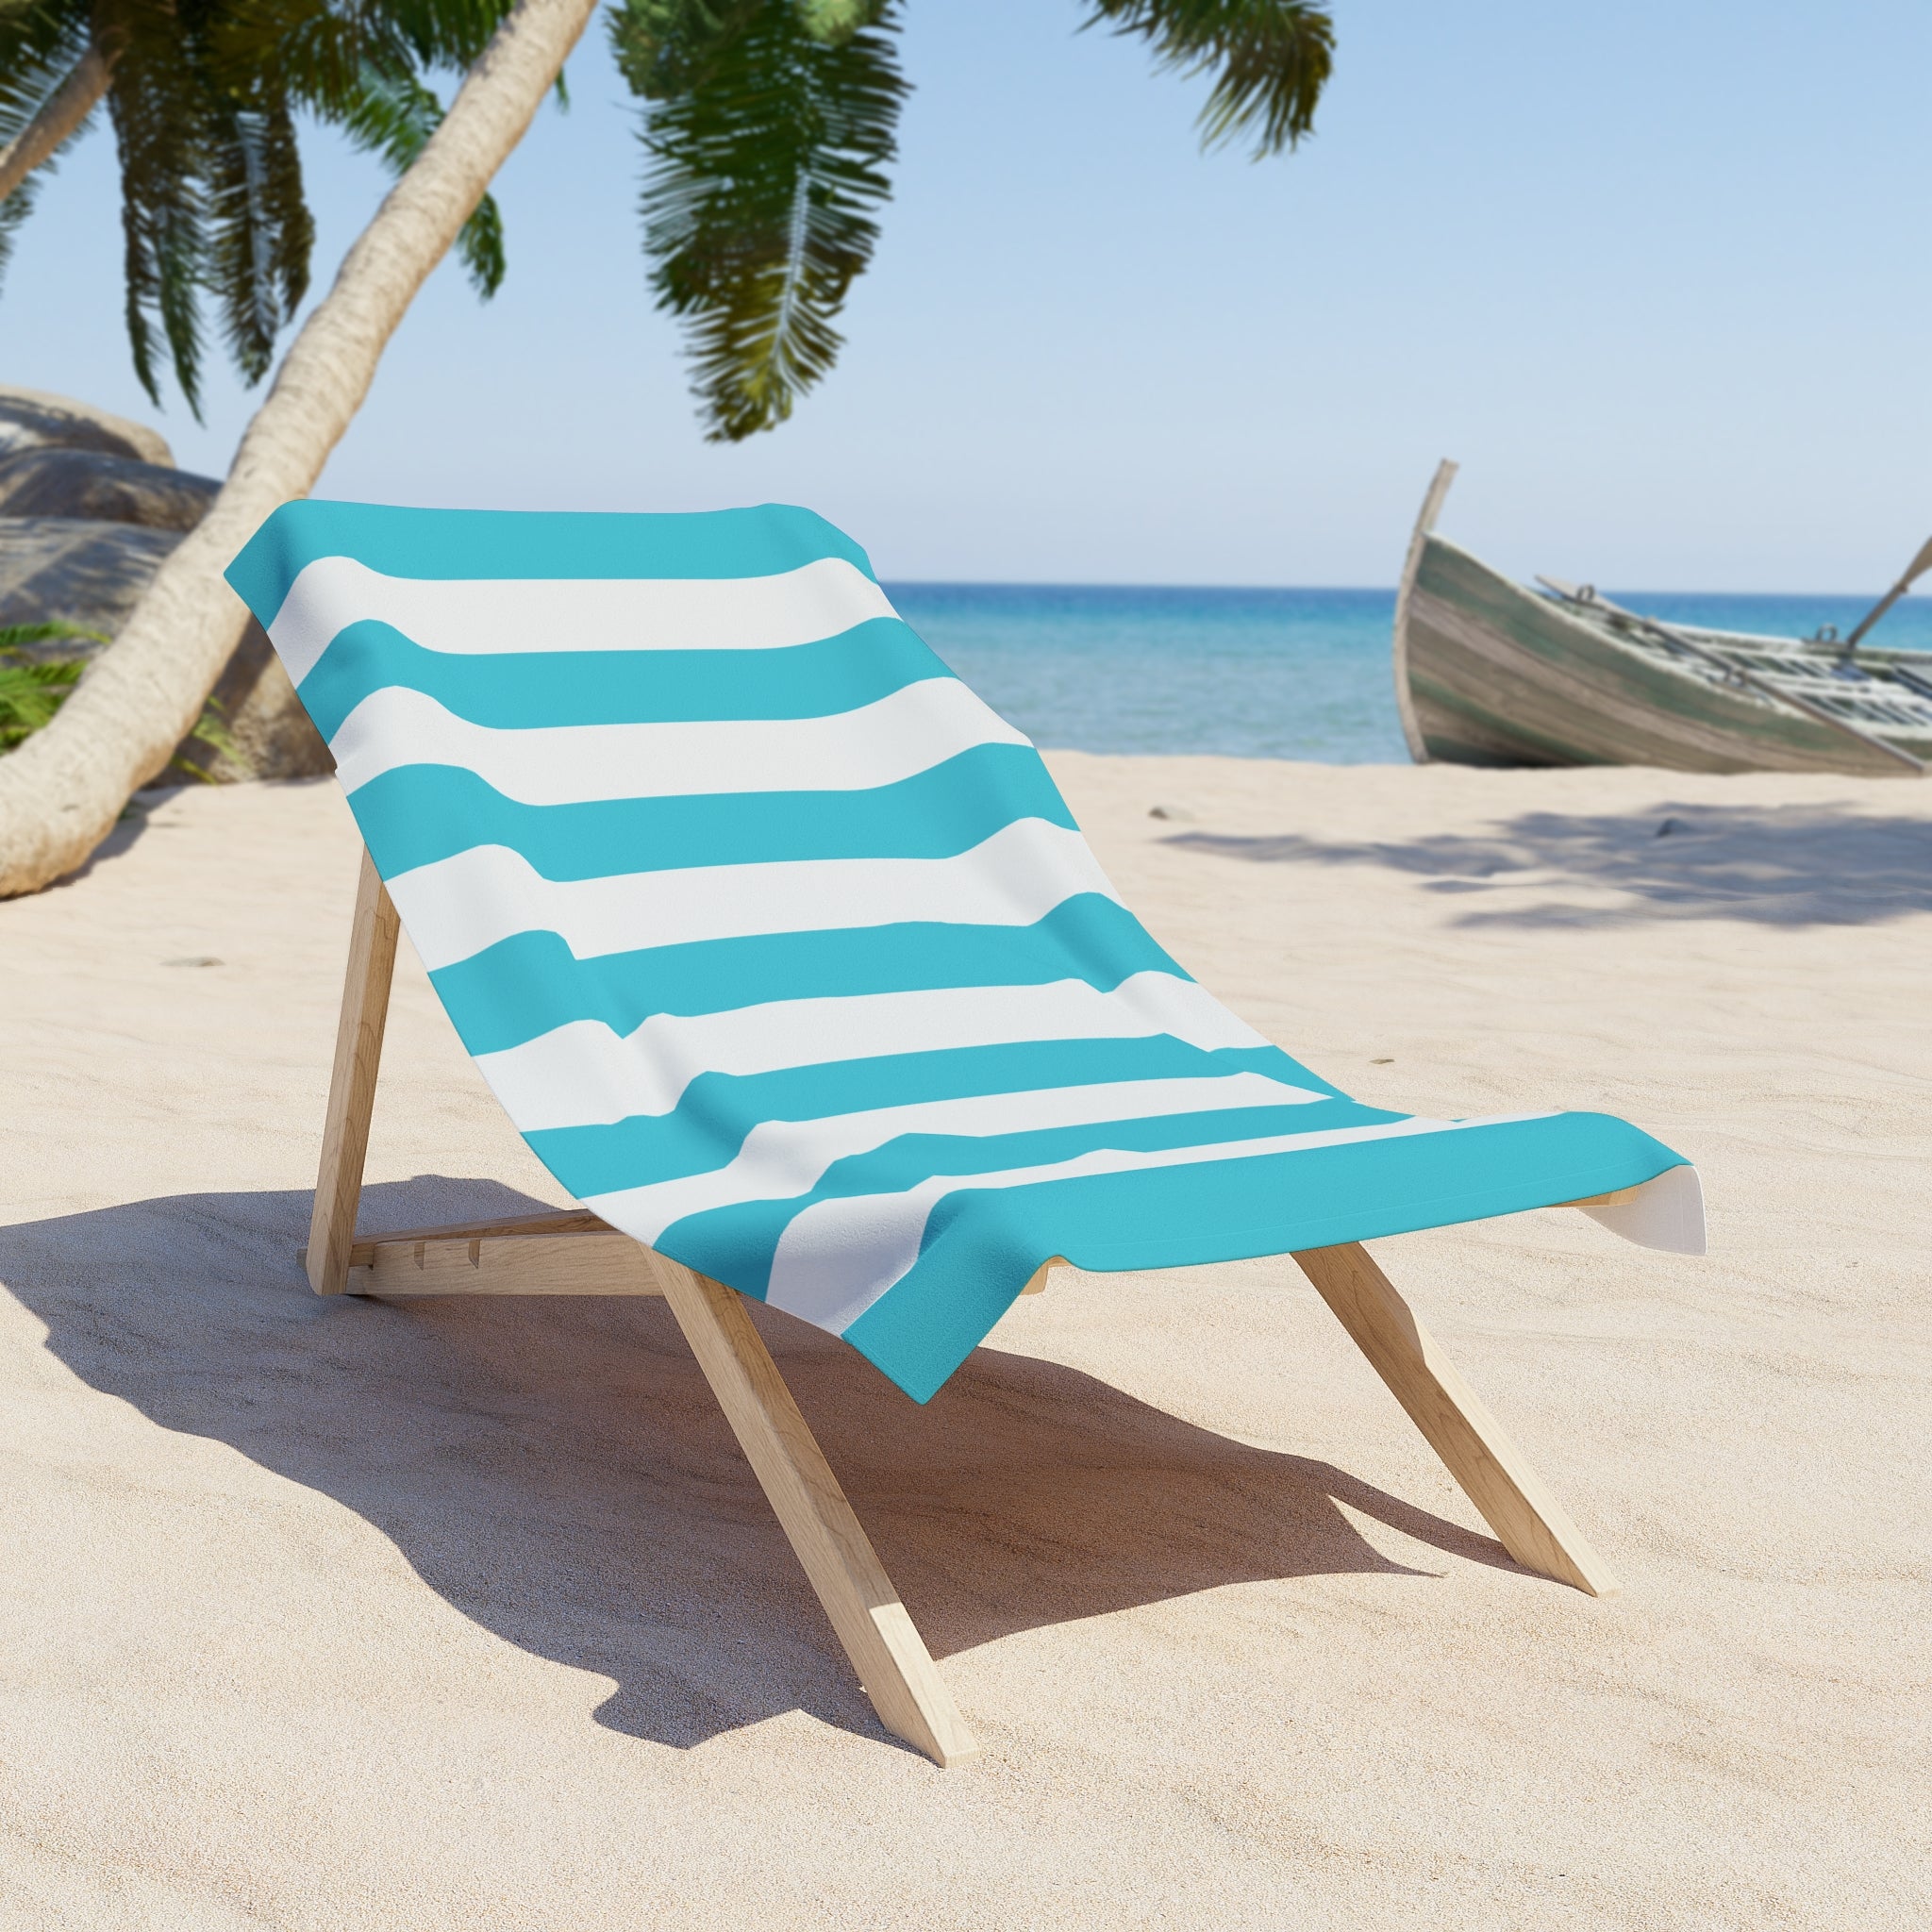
x=1609, y=1200
x=567, y=1263
x=1037, y=1284
x=352, y=1086
x=545, y=1221
x=891, y=1659
x=1528, y=1519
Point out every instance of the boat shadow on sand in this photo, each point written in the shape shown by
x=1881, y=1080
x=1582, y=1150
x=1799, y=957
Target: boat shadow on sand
x=1786, y=865
x=557, y=1471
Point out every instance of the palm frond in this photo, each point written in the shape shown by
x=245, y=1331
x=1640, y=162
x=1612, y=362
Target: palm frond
x=445, y=33
x=30, y=694
x=767, y=146
x=33, y=688
x=13, y=212
x=1270, y=59
x=839, y=20
x=40, y=45
x=359, y=65
x=310, y=50
x=45, y=630
x=158, y=102
x=667, y=49
x=261, y=232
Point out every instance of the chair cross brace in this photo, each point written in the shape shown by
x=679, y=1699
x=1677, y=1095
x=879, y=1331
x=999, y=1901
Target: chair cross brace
x=570, y=1251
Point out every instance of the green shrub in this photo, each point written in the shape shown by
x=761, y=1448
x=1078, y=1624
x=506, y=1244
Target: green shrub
x=33, y=688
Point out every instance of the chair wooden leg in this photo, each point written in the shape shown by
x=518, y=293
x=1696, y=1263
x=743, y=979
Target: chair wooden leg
x=1528, y=1519
x=891, y=1657
x=352, y=1086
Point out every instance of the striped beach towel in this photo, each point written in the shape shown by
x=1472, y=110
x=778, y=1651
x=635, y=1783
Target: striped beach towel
x=783, y=952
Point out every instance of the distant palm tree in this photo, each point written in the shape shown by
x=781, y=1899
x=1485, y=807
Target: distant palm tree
x=768, y=125
x=203, y=97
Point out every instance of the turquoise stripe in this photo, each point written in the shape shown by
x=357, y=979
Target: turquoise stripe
x=718, y=1110
x=742, y=1238
x=461, y=543
x=981, y=1247
x=514, y=691
x=417, y=814
x=525, y=986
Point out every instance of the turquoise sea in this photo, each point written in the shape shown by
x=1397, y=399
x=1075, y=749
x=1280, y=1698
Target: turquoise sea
x=1300, y=674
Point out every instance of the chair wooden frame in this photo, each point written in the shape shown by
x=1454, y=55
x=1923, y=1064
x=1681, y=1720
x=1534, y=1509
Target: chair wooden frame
x=570, y=1251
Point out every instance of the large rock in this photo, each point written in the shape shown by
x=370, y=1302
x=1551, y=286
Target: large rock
x=92, y=573
x=90, y=504
x=76, y=569
x=32, y=418
x=48, y=482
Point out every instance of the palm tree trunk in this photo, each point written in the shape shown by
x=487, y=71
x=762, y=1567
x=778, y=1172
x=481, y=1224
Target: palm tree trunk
x=60, y=113
x=62, y=791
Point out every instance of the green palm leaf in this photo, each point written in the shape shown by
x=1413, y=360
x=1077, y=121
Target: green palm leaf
x=358, y=67
x=158, y=103
x=33, y=688
x=30, y=694
x=1270, y=59
x=769, y=127
x=38, y=47
x=260, y=231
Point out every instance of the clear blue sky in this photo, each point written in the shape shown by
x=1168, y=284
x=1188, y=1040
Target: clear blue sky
x=1657, y=273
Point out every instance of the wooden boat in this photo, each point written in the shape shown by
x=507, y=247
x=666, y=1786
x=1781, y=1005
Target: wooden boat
x=1491, y=673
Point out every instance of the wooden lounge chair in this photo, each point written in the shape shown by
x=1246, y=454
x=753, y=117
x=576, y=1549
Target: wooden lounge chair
x=784, y=955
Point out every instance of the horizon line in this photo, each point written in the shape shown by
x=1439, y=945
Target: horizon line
x=911, y=583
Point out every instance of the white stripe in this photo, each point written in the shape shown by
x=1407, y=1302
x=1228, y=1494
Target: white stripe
x=455, y=907
x=837, y=1257
x=1666, y=1211
x=583, y=1074
x=781, y=1160
x=474, y=616
x=898, y=736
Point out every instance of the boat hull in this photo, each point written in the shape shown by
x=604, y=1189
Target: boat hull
x=1494, y=674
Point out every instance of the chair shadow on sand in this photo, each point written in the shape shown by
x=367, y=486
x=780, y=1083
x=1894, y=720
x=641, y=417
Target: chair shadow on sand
x=557, y=1470
x=1786, y=865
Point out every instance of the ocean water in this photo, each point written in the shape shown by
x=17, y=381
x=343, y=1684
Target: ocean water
x=1300, y=673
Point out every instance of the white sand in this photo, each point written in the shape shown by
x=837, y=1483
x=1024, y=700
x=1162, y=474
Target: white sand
x=468, y=1615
